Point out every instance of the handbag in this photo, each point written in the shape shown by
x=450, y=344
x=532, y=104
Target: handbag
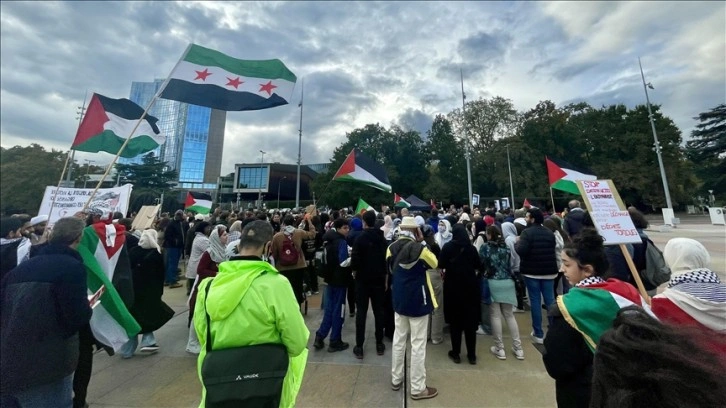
x=247, y=376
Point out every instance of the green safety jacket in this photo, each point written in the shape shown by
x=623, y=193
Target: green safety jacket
x=251, y=303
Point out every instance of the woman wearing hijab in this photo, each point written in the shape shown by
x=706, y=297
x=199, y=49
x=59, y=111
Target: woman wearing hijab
x=444, y=234
x=509, y=232
x=235, y=231
x=459, y=261
x=207, y=268
x=147, y=268
x=556, y=229
x=199, y=245
x=480, y=234
x=695, y=296
x=387, y=229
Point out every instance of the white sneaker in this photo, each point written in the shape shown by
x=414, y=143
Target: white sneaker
x=518, y=353
x=517, y=310
x=498, y=352
x=480, y=331
x=194, y=350
x=535, y=339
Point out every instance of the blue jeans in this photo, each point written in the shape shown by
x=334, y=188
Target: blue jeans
x=537, y=289
x=172, y=263
x=56, y=394
x=486, y=301
x=334, y=314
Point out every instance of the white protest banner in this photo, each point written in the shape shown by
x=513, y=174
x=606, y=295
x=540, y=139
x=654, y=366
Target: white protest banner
x=69, y=201
x=611, y=218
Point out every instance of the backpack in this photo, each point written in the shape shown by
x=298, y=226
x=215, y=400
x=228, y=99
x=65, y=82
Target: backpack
x=289, y=254
x=656, y=270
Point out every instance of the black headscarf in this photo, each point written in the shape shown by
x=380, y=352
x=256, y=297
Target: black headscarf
x=459, y=236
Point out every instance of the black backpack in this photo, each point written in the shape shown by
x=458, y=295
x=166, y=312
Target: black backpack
x=656, y=270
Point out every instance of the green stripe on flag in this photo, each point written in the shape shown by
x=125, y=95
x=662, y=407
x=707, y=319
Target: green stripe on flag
x=589, y=311
x=271, y=69
x=566, y=185
x=110, y=300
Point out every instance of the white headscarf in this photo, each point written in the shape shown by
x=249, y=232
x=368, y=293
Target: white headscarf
x=444, y=234
x=684, y=255
x=149, y=240
x=217, y=250
x=387, y=227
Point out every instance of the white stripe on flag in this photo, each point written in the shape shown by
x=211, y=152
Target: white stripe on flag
x=107, y=330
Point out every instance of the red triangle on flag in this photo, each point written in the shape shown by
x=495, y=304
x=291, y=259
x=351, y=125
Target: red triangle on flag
x=396, y=198
x=92, y=123
x=189, y=201
x=526, y=203
x=554, y=172
x=348, y=165
x=433, y=204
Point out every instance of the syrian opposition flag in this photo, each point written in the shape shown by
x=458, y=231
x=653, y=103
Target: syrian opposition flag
x=359, y=168
x=399, y=202
x=562, y=175
x=109, y=122
x=200, y=203
x=108, y=271
x=363, y=207
x=206, y=77
x=591, y=309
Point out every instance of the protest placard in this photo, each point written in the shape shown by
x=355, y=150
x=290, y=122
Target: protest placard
x=608, y=212
x=69, y=201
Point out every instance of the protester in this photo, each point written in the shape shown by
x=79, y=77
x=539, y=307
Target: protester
x=238, y=302
x=459, y=261
x=581, y=316
x=554, y=226
x=641, y=362
x=148, y=310
x=573, y=220
x=536, y=249
x=44, y=304
x=14, y=246
x=38, y=223
x=509, y=232
x=174, y=236
x=497, y=273
x=200, y=245
x=337, y=275
x=368, y=262
x=295, y=270
x=413, y=301
x=695, y=296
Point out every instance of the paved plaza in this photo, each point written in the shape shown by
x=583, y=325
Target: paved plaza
x=169, y=378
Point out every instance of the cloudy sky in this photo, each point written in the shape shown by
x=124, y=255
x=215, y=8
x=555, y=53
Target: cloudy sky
x=386, y=62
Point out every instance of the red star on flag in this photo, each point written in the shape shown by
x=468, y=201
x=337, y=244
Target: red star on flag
x=268, y=87
x=234, y=82
x=202, y=74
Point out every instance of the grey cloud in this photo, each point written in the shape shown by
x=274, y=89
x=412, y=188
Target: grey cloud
x=414, y=119
x=484, y=46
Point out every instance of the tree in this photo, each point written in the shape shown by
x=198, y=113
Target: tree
x=151, y=175
x=446, y=169
x=707, y=149
x=24, y=174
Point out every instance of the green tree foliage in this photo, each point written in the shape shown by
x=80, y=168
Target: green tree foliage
x=707, y=150
x=151, y=175
x=446, y=164
x=24, y=174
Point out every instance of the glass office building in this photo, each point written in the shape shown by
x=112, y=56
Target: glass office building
x=194, y=137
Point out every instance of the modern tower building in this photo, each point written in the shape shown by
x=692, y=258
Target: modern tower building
x=194, y=137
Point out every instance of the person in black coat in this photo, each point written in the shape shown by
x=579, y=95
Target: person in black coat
x=149, y=310
x=44, y=305
x=573, y=222
x=459, y=260
x=538, y=265
x=368, y=262
x=174, y=237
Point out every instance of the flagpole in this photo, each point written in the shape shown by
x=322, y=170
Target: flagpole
x=299, y=146
x=554, y=210
x=81, y=112
x=511, y=186
x=138, y=123
x=466, y=142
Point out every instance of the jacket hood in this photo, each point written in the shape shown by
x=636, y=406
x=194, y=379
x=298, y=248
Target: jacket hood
x=509, y=230
x=409, y=253
x=231, y=284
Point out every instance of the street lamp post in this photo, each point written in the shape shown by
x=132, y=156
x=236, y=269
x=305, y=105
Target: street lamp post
x=511, y=186
x=667, y=219
x=88, y=168
x=467, y=154
x=278, y=192
x=259, y=195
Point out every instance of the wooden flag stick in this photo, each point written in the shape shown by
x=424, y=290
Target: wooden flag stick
x=636, y=275
x=138, y=123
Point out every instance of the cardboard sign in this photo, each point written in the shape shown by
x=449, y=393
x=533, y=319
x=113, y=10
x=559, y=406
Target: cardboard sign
x=145, y=218
x=611, y=218
x=717, y=216
x=69, y=201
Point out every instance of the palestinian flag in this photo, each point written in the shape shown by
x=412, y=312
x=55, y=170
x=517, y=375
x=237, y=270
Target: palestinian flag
x=107, y=264
x=200, y=203
x=433, y=204
x=591, y=309
x=209, y=78
x=363, y=207
x=562, y=175
x=399, y=202
x=109, y=122
x=359, y=168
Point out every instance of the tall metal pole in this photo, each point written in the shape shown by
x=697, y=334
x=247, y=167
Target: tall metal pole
x=511, y=186
x=88, y=168
x=655, y=139
x=299, y=148
x=80, y=112
x=467, y=154
x=259, y=195
x=278, y=192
